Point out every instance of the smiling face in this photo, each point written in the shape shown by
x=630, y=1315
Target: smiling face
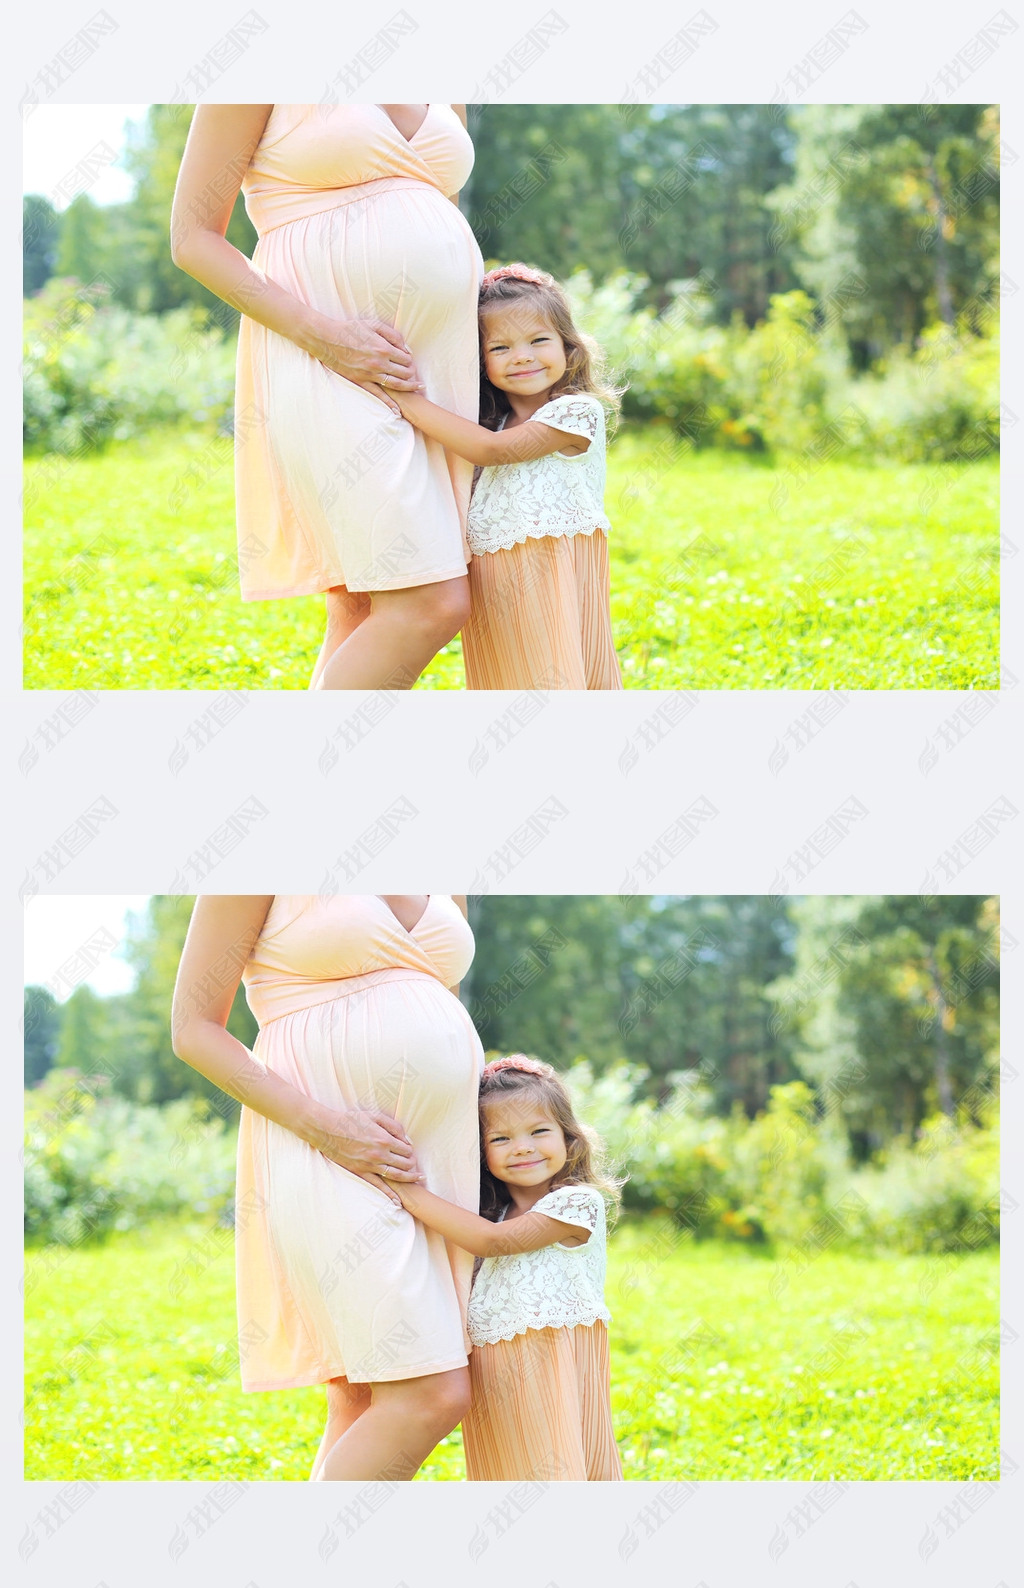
x=523, y=1143
x=523, y=353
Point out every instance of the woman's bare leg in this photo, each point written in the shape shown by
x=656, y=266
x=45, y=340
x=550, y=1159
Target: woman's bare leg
x=404, y=631
x=401, y=1426
x=345, y=1402
x=345, y=612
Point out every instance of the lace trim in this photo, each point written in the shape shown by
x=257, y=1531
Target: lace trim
x=495, y=1336
x=517, y=537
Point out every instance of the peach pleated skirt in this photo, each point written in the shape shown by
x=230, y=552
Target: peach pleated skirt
x=540, y=616
x=541, y=1408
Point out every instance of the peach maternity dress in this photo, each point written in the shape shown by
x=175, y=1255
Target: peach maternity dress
x=333, y=1279
x=331, y=487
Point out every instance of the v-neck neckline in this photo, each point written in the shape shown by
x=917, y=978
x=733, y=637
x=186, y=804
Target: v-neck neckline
x=398, y=131
x=408, y=930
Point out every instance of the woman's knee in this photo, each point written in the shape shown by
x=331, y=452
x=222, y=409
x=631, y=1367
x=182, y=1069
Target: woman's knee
x=452, y=1403
x=437, y=610
x=439, y=1402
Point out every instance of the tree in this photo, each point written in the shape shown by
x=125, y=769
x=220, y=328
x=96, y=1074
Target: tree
x=85, y=240
x=665, y=191
x=893, y=1002
x=901, y=204
x=84, y=1043
x=933, y=966
x=546, y=976
x=150, y=1071
x=40, y=232
x=694, y=188
x=695, y=993
x=42, y=1032
x=545, y=185
x=671, y=983
x=153, y=155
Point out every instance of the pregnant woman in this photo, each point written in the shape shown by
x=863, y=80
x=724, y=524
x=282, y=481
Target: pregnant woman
x=361, y=1047
x=365, y=275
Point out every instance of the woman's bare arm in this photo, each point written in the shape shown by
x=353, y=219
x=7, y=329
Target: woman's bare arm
x=527, y=1233
x=220, y=147
x=220, y=939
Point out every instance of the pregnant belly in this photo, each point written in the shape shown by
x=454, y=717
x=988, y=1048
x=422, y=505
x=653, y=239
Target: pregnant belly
x=406, y=256
x=407, y=1047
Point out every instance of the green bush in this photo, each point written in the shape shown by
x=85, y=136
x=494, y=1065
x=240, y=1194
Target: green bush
x=785, y=1177
x=95, y=372
x=936, y=1194
x=937, y=402
x=784, y=386
x=784, y=1165
x=96, y=1162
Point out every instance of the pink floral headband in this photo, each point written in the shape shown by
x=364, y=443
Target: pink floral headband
x=516, y=1061
x=515, y=272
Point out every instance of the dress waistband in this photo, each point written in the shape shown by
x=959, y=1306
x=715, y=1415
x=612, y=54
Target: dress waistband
x=272, y=1000
x=278, y=206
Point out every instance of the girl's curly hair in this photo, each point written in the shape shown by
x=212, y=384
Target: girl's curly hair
x=585, y=365
x=519, y=1081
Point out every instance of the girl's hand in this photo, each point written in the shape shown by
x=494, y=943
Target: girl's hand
x=367, y=1141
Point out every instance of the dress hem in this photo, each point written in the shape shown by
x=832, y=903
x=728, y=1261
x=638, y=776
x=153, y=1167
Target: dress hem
x=319, y=588
x=306, y=1380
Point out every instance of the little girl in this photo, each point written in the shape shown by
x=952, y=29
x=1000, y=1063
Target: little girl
x=537, y=1319
x=539, y=586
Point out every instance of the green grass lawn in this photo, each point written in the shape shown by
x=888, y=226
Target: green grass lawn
x=854, y=1367
x=726, y=574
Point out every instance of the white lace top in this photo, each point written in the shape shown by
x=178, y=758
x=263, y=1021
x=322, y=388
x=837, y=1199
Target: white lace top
x=554, y=495
x=554, y=1288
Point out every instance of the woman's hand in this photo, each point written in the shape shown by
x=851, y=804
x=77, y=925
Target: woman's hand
x=406, y=404
x=367, y=1141
x=370, y=353
x=354, y=352
x=378, y=391
x=382, y=1185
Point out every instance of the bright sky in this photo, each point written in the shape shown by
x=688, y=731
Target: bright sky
x=58, y=926
x=57, y=138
